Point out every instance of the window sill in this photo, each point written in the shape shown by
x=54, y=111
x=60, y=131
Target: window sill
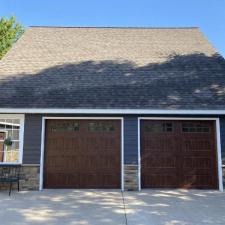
x=9, y=163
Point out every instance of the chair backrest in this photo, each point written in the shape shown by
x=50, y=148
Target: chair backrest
x=9, y=171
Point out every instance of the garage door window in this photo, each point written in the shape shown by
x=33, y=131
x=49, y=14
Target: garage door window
x=195, y=128
x=159, y=128
x=98, y=126
x=10, y=139
x=65, y=126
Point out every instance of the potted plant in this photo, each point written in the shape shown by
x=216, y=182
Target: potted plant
x=8, y=141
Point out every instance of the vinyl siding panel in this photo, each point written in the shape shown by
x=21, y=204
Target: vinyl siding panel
x=32, y=139
x=130, y=140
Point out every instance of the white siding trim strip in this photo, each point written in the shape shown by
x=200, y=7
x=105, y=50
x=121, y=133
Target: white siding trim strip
x=219, y=157
x=139, y=155
x=113, y=111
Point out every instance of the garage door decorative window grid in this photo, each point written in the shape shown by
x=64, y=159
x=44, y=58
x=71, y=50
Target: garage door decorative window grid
x=65, y=126
x=159, y=127
x=195, y=128
x=98, y=126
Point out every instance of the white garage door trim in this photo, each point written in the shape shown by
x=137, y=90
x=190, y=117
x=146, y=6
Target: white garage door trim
x=79, y=118
x=218, y=144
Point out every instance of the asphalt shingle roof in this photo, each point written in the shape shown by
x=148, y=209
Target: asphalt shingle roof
x=130, y=68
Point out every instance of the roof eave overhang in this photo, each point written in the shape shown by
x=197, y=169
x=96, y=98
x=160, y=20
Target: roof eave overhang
x=111, y=111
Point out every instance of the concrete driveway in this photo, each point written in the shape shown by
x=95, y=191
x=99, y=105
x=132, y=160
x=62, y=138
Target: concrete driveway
x=175, y=207
x=93, y=207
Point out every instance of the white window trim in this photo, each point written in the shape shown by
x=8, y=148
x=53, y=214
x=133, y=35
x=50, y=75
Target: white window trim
x=218, y=145
x=6, y=133
x=79, y=118
x=21, y=117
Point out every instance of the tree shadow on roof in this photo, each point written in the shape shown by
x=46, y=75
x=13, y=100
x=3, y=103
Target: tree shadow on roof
x=192, y=81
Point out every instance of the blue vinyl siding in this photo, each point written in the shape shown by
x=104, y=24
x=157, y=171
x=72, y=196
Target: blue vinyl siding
x=130, y=140
x=32, y=139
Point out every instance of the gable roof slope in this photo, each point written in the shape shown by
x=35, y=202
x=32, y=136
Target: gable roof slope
x=118, y=68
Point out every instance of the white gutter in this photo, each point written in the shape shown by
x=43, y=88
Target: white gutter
x=113, y=111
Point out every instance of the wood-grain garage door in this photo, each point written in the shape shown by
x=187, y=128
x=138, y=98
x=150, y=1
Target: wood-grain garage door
x=82, y=154
x=178, y=154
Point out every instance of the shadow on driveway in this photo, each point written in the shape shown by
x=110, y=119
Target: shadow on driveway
x=62, y=207
x=175, y=207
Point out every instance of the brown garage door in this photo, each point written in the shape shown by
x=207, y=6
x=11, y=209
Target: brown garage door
x=178, y=154
x=82, y=154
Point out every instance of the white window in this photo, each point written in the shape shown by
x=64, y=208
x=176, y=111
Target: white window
x=11, y=138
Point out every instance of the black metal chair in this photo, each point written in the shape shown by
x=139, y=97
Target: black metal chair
x=10, y=174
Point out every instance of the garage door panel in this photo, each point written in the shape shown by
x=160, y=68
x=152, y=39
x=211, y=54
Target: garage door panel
x=80, y=157
x=159, y=181
x=159, y=162
x=198, y=181
x=153, y=144
x=182, y=151
x=197, y=144
x=103, y=145
x=197, y=162
x=82, y=180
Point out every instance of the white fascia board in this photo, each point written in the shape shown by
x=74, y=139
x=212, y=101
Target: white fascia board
x=113, y=111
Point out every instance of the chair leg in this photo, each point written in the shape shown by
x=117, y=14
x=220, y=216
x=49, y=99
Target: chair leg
x=10, y=188
x=18, y=185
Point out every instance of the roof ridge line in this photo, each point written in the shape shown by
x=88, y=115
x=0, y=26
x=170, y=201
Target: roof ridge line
x=115, y=27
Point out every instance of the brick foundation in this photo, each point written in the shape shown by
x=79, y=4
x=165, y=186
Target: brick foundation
x=131, y=177
x=29, y=178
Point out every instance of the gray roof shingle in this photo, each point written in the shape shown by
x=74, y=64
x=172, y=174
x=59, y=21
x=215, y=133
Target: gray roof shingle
x=118, y=68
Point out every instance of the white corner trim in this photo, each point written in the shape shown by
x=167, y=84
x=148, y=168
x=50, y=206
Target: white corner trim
x=21, y=144
x=42, y=154
x=139, y=156
x=218, y=143
x=113, y=111
x=80, y=118
x=219, y=157
x=122, y=154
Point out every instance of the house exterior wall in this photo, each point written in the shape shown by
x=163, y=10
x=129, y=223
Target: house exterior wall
x=32, y=139
x=131, y=153
x=32, y=149
x=130, y=140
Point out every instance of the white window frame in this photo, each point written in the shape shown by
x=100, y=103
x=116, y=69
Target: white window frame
x=21, y=117
x=217, y=137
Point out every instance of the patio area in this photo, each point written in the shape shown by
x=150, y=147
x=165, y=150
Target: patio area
x=98, y=207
